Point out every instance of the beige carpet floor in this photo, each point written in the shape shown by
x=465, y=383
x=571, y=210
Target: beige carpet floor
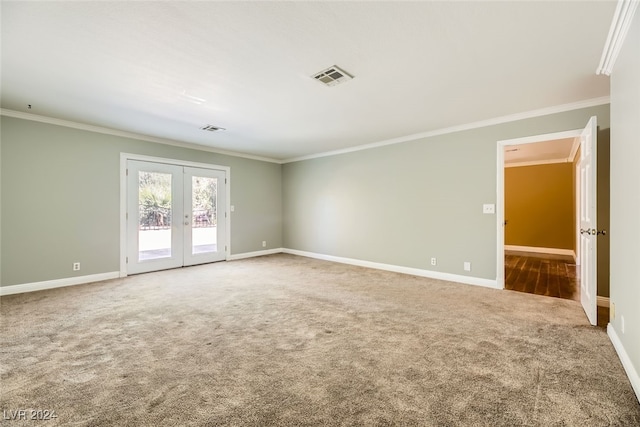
x=285, y=340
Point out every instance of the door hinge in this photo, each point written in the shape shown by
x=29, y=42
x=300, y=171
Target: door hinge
x=127, y=172
x=225, y=214
x=126, y=215
x=127, y=260
x=225, y=249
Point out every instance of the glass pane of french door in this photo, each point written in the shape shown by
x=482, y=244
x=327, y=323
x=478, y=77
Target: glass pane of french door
x=205, y=230
x=204, y=214
x=154, y=200
x=154, y=215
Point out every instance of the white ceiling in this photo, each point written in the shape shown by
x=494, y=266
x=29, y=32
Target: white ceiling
x=165, y=69
x=558, y=150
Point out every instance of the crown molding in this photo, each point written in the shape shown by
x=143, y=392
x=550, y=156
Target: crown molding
x=474, y=125
x=480, y=124
x=620, y=24
x=124, y=134
x=537, y=162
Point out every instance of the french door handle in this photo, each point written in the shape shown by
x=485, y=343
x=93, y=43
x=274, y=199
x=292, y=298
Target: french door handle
x=587, y=231
x=601, y=232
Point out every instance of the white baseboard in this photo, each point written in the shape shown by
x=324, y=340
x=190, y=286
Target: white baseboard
x=399, y=269
x=58, y=283
x=625, y=359
x=244, y=255
x=603, y=301
x=536, y=250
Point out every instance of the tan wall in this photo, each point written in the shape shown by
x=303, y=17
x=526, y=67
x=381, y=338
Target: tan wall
x=539, y=206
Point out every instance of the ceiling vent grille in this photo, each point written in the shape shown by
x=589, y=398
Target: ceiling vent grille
x=332, y=76
x=212, y=128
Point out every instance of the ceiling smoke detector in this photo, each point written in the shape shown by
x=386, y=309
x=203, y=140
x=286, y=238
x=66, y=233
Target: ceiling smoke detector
x=212, y=128
x=332, y=76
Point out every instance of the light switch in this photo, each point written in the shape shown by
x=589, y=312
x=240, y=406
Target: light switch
x=488, y=208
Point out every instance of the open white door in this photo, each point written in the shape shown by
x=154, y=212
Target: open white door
x=588, y=224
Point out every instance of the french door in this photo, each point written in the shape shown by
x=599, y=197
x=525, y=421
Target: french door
x=175, y=216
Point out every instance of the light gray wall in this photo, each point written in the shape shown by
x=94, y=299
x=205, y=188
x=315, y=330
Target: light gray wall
x=625, y=194
x=61, y=200
x=403, y=204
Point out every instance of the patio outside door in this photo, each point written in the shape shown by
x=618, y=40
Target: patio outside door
x=175, y=216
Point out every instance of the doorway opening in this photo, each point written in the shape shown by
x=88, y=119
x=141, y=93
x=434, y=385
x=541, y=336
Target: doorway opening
x=540, y=205
x=540, y=215
x=573, y=153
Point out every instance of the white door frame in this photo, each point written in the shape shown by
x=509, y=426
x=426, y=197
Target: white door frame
x=500, y=189
x=124, y=157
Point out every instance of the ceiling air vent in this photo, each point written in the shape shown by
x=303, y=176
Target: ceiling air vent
x=212, y=128
x=332, y=76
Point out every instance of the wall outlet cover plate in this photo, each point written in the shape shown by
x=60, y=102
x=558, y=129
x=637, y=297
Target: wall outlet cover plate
x=488, y=208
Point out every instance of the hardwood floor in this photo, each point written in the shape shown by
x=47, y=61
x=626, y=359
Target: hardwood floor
x=541, y=276
x=603, y=316
x=546, y=276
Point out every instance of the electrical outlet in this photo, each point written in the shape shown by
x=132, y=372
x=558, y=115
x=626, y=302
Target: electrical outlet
x=467, y=266
x=488, y=208
x=434, y=261
x=264, y=243
x=76, y=266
